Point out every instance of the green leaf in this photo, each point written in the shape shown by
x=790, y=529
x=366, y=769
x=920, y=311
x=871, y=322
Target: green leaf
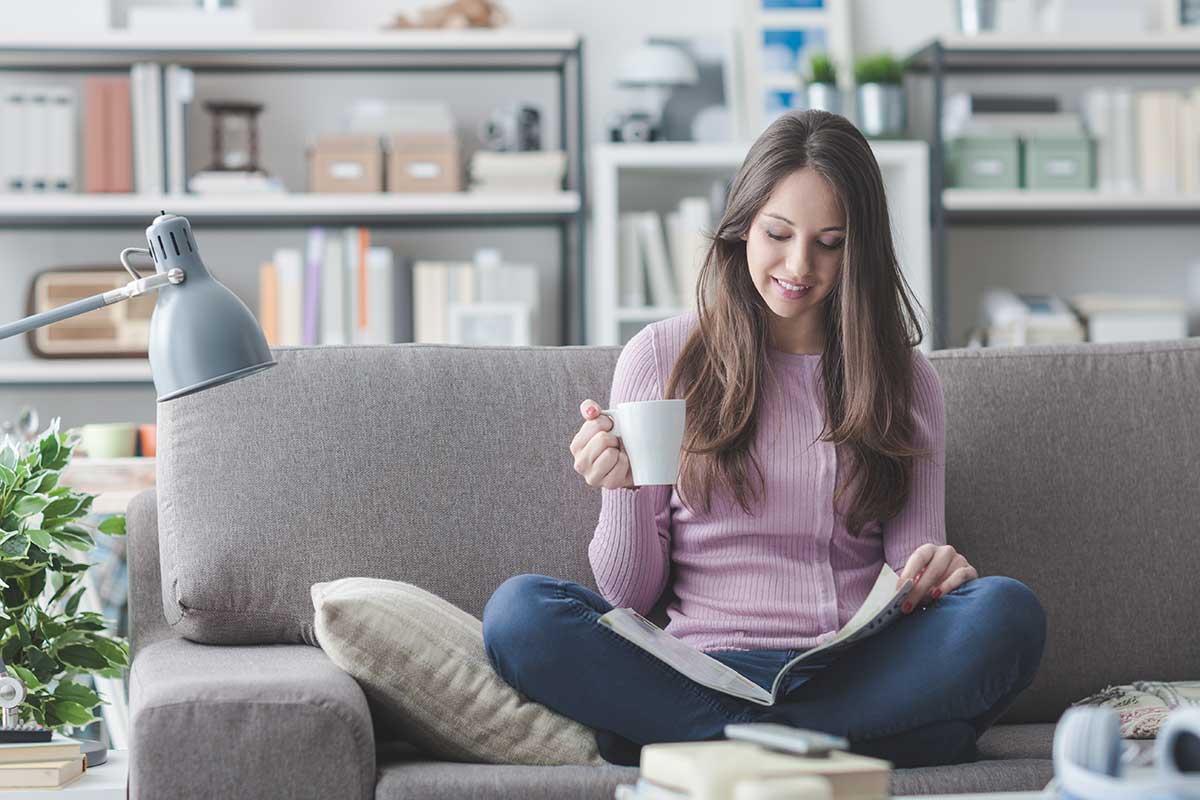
x=76, y=693
x=115, y=653
x=8, y=456
x=114, y=525
x=39, y=537
x=79, y=655
x=42, y=665
x=84, y=542
x=71, y=713
x=7, y=476
x=49, y=448
x=28, y=678
x=62, y=507
x=89, y=624
x=73, y=603
x=15, y=545
x=47, y=482
x=30, y=505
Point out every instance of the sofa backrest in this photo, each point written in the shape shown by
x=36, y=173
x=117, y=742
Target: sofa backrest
x=1075, y=469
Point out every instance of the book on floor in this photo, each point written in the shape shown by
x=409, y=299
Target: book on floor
x=41, y=774
x=880, y=609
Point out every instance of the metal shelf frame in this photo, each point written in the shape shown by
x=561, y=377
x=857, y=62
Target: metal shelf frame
x=558, y=54
x=977, y=55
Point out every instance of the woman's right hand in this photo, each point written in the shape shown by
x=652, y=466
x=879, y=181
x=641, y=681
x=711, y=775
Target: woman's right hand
x=599, y=456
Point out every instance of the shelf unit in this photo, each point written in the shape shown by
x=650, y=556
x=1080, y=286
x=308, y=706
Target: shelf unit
x=905, y=168
x=559, y=54
x=1167, y=52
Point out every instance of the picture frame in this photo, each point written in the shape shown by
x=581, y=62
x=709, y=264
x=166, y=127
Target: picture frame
x=777, y=38
x=490, y=324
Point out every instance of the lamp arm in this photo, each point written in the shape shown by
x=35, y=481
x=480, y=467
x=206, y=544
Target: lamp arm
x=131, y=289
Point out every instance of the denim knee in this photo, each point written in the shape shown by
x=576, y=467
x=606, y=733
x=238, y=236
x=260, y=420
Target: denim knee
x=510, y=617
x=1014, y=615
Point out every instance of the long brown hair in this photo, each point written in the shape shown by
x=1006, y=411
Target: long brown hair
x=871, y=326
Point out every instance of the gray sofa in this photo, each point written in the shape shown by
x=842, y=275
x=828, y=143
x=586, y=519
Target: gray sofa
x=1075, y=469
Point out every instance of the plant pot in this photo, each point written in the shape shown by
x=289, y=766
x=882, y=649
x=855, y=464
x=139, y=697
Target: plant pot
x=881, y=109
x=976, y=16
x=824, y=96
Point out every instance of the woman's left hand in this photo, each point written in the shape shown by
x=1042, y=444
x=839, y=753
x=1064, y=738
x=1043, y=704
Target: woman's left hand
x=936, y=570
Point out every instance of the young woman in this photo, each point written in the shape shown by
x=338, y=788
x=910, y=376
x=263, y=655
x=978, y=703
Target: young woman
x=813, y=454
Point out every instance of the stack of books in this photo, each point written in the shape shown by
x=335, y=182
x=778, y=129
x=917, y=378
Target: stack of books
x=525, y=171
x=694, y=770
x=37, y=139
x=340, y=290
x=41, y=765
x=661, y=257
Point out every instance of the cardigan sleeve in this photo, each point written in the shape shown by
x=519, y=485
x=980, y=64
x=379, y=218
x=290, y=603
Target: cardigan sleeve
x=630, y=549
x=923, y=518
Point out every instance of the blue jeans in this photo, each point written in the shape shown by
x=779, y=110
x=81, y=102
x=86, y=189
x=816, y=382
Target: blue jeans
x=918, y=694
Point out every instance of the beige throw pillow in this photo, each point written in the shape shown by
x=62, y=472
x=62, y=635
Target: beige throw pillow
x=422, y=665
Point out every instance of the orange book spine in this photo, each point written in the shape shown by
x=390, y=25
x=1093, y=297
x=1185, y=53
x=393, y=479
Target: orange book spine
x=364, y=244
x=120, y=139
x=268, y=302
x=97, y=130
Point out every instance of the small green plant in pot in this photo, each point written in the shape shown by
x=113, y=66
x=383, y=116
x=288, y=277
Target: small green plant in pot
x=45, y=640
x=880, y=93
x=820, y=84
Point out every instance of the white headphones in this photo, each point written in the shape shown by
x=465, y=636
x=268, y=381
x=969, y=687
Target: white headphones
x=1087, y=757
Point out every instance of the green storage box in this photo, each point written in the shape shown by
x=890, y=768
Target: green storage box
x=984, y=162
x=1059, y=162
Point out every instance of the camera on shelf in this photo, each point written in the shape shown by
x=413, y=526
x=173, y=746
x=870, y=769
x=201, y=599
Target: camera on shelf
x=514, y=128
x=632, y=126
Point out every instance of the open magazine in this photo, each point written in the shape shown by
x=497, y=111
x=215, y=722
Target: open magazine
x=880, y=609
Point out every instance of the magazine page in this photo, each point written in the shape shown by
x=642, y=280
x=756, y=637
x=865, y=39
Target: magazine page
x=879, y=610
x=702, y=668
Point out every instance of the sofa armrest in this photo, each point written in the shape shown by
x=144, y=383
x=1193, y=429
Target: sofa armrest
x=262, y=721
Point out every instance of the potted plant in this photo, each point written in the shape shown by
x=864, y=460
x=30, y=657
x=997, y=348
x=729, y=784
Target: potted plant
x=820, y=84
x=45, y=640
x=880, y=95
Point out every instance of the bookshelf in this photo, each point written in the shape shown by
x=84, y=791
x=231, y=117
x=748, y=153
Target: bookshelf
x=905, y=169
x=965, y=57
x=274, y=55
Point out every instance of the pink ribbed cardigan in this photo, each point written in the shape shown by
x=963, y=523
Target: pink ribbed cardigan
x=790, y=575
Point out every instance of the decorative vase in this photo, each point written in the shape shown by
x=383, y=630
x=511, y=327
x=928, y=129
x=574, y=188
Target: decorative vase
x=881, y=109
x=976, y=16
x=824, y=96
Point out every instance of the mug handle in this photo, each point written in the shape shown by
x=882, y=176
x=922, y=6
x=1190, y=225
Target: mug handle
x=611, y=413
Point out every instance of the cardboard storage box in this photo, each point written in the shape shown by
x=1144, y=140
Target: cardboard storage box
x=346, y=163
x=423, y=162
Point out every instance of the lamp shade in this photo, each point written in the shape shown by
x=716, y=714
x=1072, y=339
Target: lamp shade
x=657, y=65
x=201, y=334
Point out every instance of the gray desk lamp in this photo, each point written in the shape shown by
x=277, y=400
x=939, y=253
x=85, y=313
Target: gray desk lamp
x=201, y=334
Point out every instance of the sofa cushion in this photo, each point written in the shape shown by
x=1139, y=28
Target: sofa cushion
x=422, y=664
x=407, y=777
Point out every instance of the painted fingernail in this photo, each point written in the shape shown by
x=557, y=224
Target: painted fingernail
x=937, y=593
x=907, y=607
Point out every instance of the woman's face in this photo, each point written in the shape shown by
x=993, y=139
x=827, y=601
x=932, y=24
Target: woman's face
x=797, y=237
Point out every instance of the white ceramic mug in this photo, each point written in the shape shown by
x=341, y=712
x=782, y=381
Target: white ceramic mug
x=652, y=434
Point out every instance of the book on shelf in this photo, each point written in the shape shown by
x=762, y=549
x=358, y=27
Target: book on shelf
x=880, y=609
x=337, y=290
x=107, y=135
x=37, y=139
x=1119, y=317
x=486, y=301
x=59, y=748
x=179, y=89
x=524, y=171
x=660, y=256
x=149, y=168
